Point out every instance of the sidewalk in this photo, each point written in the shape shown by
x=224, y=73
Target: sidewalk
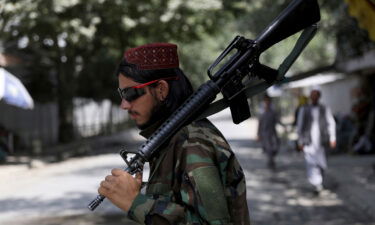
x=354, y=180
x=57, y=193
x=128, y=139
x=353, y=176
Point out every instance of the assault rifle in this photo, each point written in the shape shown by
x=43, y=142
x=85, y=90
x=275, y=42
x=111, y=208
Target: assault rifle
x=234, y=79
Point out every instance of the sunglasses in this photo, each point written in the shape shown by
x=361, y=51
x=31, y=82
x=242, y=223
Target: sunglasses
x=132, y=93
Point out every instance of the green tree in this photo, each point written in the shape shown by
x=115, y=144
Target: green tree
x=338, y=38
x=70, y=47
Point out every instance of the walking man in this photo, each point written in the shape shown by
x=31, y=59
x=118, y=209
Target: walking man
x=267, y=134
x=316, y=132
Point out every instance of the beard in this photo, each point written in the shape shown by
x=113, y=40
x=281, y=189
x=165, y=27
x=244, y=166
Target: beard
x=158, y=114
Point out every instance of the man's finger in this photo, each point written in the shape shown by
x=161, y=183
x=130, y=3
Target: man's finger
x=105, y=184
x=102, y=190
x=138, y=177
x=109, y=178
x=117, y=172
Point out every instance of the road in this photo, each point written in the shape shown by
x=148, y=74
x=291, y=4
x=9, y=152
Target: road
x=58, y=193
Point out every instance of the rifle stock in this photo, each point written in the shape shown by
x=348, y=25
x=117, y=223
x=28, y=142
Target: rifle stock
x=297, y=16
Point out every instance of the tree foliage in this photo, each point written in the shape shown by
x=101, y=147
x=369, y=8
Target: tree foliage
x=71, y=47
x=338, y=38
x=87, y=38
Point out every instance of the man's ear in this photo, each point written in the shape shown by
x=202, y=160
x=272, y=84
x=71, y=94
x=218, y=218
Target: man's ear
x=162, y=90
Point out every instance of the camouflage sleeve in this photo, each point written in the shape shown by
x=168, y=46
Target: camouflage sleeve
x=203, y=202
x=202, y=185
x=148, y=210
x=201, y=198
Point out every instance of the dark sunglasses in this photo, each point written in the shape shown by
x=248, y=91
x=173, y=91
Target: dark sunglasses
x=132, y=93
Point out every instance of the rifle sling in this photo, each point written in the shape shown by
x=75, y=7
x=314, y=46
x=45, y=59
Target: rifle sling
x=251, y=90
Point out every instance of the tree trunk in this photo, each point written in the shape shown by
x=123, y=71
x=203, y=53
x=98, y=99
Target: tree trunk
x=65, y=93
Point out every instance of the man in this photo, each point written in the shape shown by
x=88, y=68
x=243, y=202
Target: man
x=267, y=134
x=316, y=131
x=195, y=178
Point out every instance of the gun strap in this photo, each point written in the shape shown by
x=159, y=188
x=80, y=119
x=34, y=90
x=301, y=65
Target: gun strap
x=251, y=90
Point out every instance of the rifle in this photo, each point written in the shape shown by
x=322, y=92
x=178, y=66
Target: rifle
x=230, y=79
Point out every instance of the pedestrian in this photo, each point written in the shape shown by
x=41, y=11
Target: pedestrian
x=195, y=177
x=302, y=100
x=267, y=134
x=316, y=132
x=363, y=116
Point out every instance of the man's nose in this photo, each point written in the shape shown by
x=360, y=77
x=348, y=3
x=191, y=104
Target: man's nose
x=125, y=104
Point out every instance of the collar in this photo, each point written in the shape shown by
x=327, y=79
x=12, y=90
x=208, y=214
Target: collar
x=147, y=132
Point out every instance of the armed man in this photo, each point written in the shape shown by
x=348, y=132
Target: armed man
x=195, y=177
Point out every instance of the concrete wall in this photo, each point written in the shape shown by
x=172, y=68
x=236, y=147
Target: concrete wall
x=92, y=117
x=338, y=95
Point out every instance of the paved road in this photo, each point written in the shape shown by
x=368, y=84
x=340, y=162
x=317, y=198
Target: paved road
x=59, y=193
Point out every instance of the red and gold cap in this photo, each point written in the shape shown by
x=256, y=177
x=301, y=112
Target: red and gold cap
x=153, y=56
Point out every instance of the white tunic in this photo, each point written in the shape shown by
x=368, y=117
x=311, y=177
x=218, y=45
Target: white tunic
x=314, y=153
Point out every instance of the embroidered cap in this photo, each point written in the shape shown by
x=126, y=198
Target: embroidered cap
x=153, y=56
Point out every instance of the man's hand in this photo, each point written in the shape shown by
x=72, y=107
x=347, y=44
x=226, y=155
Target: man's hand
x=121, y=188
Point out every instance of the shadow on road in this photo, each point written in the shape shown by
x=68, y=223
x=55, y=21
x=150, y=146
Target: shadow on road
x=86, y=219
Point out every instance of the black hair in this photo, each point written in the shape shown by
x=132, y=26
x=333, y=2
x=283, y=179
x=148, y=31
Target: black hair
x=179, y=90
x=317, y=91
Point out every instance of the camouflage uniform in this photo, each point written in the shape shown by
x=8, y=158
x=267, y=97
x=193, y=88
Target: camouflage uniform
x=195, y=179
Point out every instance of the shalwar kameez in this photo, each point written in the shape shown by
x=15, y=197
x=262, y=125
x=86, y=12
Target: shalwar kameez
x=316, y=129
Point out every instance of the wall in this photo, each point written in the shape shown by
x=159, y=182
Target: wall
x=338, y=95
x=39, y=126
x=28, y=125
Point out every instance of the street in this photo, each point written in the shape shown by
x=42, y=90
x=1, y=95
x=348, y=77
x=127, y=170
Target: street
x=58, y=193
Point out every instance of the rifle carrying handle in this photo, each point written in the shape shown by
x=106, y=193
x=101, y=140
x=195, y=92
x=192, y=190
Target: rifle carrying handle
x=265, y=72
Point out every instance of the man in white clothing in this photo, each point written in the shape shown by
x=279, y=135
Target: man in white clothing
x=316, y=130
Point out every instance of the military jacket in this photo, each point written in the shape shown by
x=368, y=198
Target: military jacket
x=195, y=179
